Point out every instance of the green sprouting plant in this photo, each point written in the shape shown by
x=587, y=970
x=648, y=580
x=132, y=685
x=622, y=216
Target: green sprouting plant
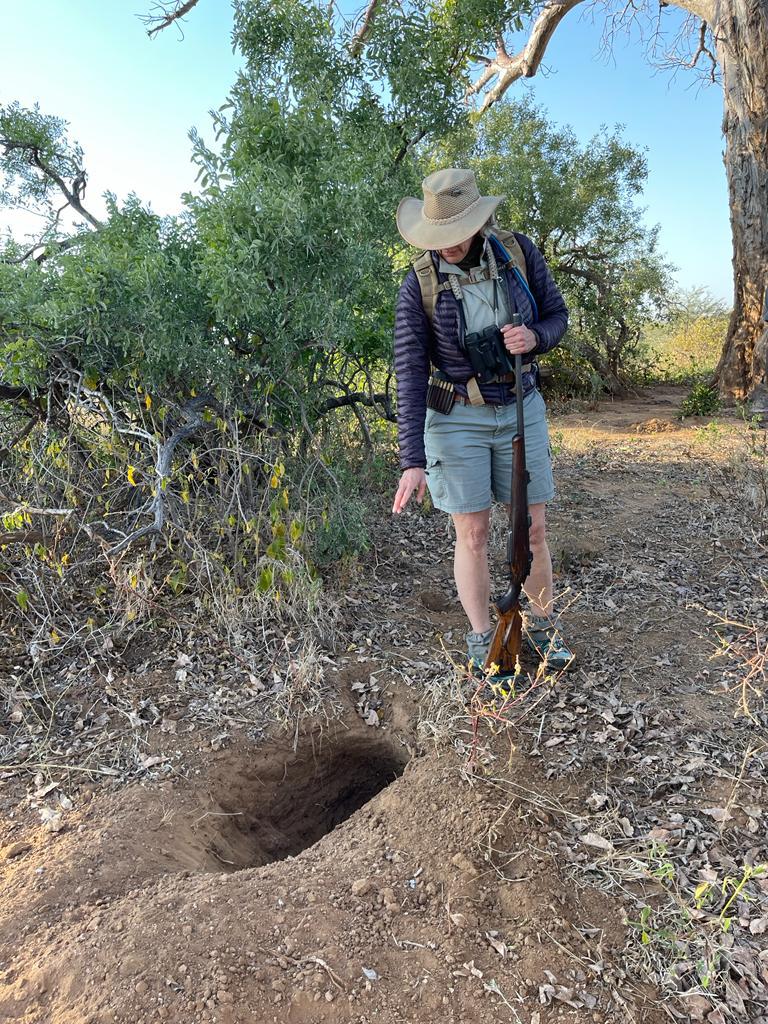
x=556, y=442
x=735, y=886
x=701, y=400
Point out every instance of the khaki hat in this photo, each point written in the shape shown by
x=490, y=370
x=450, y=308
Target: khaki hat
x=453, y=210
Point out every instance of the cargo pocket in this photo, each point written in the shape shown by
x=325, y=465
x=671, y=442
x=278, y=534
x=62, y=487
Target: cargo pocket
x=435, y=480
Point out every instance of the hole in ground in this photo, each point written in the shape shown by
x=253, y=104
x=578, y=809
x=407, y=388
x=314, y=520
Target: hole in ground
x=282, y=802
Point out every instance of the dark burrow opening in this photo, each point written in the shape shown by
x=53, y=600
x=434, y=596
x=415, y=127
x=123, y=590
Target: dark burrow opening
x=281, y=802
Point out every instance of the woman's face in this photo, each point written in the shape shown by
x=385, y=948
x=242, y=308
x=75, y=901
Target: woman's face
x=455, y=253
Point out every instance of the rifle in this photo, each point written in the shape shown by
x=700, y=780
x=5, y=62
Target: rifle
x=507, y=638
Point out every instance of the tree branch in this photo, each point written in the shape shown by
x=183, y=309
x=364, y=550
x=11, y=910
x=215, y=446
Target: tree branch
x=359, y=398
x=526, y=63
x=703, y=9
x=48, y=249
x=9, y=393
x=167, y=18
x=19, y=437
x=358, y=40
x=73, y=194
x=193, y=414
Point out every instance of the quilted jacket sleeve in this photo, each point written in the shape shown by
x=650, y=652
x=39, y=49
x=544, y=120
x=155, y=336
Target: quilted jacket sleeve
x=553, y=313
x=412, y=341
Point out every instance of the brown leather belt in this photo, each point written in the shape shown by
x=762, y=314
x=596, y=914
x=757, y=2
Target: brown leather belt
x=507, y=378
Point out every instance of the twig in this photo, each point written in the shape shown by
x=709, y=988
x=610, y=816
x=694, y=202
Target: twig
x=167, y=18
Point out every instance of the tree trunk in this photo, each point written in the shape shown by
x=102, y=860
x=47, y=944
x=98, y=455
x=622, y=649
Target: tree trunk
x=741, y=33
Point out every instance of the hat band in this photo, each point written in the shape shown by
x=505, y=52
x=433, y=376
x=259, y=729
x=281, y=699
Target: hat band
x=457, y=216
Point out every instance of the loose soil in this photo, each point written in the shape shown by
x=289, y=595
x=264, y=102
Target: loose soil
x=417, y=848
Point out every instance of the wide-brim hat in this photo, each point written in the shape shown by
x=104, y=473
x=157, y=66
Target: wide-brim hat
x=452, y=210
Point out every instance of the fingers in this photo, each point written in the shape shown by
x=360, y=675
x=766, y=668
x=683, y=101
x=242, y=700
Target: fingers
x=518, y=340
x=406, y=488
x=401, y=498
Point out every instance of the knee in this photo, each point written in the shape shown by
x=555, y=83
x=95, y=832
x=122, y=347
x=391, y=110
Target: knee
x=474, y=538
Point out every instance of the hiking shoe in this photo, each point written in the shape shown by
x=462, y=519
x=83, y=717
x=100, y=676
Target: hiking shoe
x=544, y=639
x=478, y=645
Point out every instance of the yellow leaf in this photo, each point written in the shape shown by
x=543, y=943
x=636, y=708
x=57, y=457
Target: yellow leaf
x=275, y=481
x=55, y=636
x=131, y=477
x=148, y=401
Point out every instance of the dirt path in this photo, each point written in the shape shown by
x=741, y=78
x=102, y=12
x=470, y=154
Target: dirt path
x=588, y=850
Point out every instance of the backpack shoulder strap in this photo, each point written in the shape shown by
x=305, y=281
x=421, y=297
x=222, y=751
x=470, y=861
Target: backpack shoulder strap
x=516, y=255
x=429, y=283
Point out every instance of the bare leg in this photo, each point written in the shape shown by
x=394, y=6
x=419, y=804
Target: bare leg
x=470, y=567
x=538, y=586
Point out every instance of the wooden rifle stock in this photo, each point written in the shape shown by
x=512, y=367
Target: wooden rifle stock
x=506, y=642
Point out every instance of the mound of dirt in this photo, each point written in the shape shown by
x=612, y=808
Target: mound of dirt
x=335, y=882
x=654, y=426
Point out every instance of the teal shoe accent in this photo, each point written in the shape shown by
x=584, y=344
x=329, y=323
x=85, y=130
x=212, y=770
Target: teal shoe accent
x=544, y=640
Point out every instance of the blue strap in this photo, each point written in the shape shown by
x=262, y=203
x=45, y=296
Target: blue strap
x=521, y=280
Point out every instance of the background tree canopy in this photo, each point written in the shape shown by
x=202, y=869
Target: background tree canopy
x=208, y=378
x=442, y=46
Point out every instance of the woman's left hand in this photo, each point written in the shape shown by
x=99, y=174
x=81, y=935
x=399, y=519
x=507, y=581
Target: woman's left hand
x=519, y=340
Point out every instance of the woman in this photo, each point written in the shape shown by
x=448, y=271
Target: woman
x=461, y=446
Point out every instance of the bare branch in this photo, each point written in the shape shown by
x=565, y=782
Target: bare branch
x=167, y=17
x=359, y=398
x=25, y=431
x=44, y=249
x=526, y=63
x=703, y=48
x=72, y=193
x=193, y=414
x=366, y=22
x=674, y=58
x=9, y=393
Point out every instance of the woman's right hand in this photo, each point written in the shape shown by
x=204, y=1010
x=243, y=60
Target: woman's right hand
x=414, y=479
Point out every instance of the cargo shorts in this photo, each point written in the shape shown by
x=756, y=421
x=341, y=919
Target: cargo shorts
x=469, y=454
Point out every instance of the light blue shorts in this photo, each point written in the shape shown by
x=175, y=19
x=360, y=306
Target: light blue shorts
x=469, y=454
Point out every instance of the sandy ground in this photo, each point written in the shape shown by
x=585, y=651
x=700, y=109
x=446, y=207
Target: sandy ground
x=421, y=850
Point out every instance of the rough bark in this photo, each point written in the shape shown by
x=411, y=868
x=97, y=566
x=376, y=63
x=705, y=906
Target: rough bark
x=741, y=35
x=740, y=29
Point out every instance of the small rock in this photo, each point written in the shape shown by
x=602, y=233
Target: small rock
x=141, y=988
x=362, y=887
x=464, y=864
x=15, y=850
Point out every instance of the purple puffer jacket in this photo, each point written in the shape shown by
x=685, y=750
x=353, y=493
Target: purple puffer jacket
x=416, y=345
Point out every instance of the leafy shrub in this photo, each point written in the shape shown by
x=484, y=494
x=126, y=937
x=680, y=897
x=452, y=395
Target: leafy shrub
x=688, y=344
x=701, y=400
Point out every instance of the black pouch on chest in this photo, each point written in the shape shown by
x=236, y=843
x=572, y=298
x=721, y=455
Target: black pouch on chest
x=440, y=394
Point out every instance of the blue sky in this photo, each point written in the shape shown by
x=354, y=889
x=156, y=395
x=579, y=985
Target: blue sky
x=131, y=101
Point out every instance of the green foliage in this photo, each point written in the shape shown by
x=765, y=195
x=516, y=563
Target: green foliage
x=30, y=139
x=578, y=203
x=689, y=341
x=701, y=400
x=172, y=365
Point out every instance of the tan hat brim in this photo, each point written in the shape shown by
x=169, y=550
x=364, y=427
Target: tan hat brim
x=427, y=234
